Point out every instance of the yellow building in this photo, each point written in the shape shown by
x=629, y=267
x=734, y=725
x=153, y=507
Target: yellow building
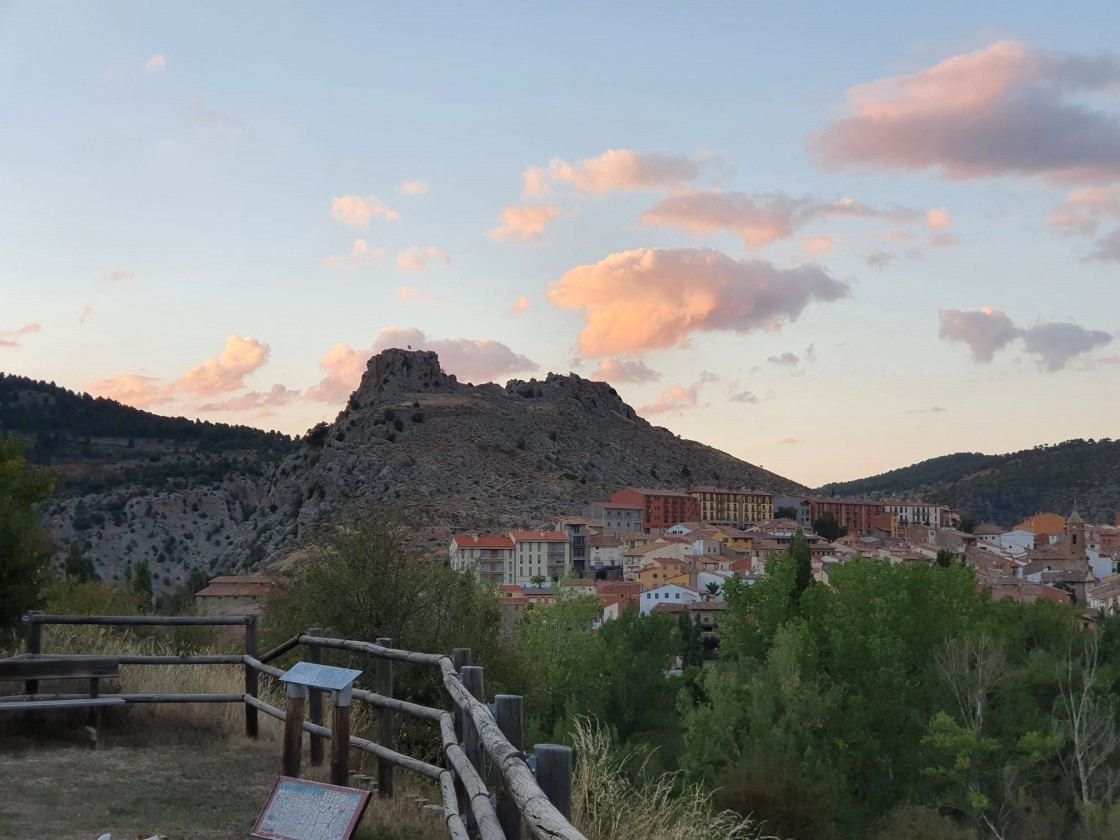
x=1043, y=523
x=733, y=507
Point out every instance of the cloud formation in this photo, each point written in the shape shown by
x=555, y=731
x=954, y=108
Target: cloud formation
x=759, y=220
x=278, y=395
x=520, y=305
x=744, y=397
x=118, y=276
x=156, y=64
x=675, y=399
x=787, y=359
x=647, y=299
x=1107, y=248
x=938, y=219
x=986, y=331
x=360, y=254
x=407, y=293
x=241, y=357
x=523, y=224
x=417, y=258
x=615, y=170
x=1055, y=344
x=208, y=117
x=131, y=389
x=356, y=212
x=413, y=188
x=620, y=370
x=1008, y=109
x=8, y=337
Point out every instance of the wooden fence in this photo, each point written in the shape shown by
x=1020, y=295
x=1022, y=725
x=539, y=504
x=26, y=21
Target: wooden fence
x=481, y=743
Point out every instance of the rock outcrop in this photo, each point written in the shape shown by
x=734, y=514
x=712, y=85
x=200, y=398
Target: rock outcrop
x=414, y=441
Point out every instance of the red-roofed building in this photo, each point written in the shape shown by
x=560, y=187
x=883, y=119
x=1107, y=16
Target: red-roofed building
x=234, y=595
x=488, y=557
x=539, y=554
x=661, y=509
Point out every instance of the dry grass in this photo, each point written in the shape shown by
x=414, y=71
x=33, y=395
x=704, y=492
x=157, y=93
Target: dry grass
x=607, y=805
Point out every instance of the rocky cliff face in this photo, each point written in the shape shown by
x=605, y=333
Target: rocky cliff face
x=450, y=456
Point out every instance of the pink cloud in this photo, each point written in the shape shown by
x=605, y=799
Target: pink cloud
x=118, y=276
x=1008, y=109
x=407, y=293
x=357, y=212
x=943, y=240
x=619, y=370
x=26, y=329
x=614, y=170
x=938, y=219
x=413, y=188
x=155, y=64
x=87, y=311
x=759, y=220
x=642, y=300
x=676, y=398
x=241, y=357
x=520, y=305
x=816, y=246
x=417, y=258
x=360, y=254
x=131, y=389
x=343, y=366
x=985, y=330
x=278, y=395
x=523, y=224
x=1083, y=211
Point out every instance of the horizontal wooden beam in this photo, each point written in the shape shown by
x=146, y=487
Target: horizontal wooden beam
x=132, y=620
x=45, y=705
x=92, y=667
x=141, y=659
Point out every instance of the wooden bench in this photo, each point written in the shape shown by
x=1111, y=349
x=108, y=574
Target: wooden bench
x=31, y=670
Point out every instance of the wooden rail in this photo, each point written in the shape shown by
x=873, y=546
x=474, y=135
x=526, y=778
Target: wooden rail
x=475, y=743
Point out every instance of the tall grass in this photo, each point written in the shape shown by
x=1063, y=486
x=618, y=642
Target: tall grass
x=607, y=805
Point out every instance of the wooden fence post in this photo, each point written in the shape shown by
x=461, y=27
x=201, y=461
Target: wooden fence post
x=34, y=646
x=511, y=720
x=554, y=775
x=315, y=700
x=251, y=674
x=293, y=729
x=340, y=738
x=474, y=681
x=385, y=738
x=461, y=658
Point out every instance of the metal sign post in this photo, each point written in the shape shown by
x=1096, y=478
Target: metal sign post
x=339, y=682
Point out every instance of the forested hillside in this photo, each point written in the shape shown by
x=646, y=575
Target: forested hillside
x=1006, y=489
x=135, y=490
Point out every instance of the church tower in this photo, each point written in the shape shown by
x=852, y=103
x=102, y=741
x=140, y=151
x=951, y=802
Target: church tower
x=1075, y=537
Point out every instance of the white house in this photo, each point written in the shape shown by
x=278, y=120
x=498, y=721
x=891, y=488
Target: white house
x=488, y=557
x=545, y=554
x=1017, y=541
x=669, y=594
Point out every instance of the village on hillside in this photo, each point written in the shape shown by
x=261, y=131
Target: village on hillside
x=672, y=551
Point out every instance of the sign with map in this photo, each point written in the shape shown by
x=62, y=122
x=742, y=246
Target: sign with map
x=301, y=810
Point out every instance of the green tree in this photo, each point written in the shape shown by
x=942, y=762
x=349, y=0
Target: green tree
x=946, y=558
x=785, y=512
x=77, y=565
x=802, y=562
x=24, y=548
x=828, y=526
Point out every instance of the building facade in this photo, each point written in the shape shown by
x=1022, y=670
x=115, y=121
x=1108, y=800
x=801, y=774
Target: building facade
x=737, y=508
x=488, y=557
x=539, y=554
x=661, y=509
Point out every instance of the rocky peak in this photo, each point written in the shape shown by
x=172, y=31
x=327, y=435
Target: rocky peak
x=394, y=372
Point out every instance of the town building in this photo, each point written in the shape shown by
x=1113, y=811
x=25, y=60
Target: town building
x=612, y=518
x=661, y=509
x=539, y=555
x=488, y=557
x=736, y=508
x=854, y=514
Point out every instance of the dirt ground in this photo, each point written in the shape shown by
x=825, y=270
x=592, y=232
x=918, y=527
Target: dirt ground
x=199, y=791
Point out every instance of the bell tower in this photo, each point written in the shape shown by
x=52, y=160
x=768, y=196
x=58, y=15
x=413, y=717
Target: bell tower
x=1075, y=537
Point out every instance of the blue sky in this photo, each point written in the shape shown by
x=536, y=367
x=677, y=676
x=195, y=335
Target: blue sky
x=168, y=174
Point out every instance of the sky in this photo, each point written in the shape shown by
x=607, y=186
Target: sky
x=829, y=239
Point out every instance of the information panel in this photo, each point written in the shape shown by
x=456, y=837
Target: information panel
x=301, y=810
